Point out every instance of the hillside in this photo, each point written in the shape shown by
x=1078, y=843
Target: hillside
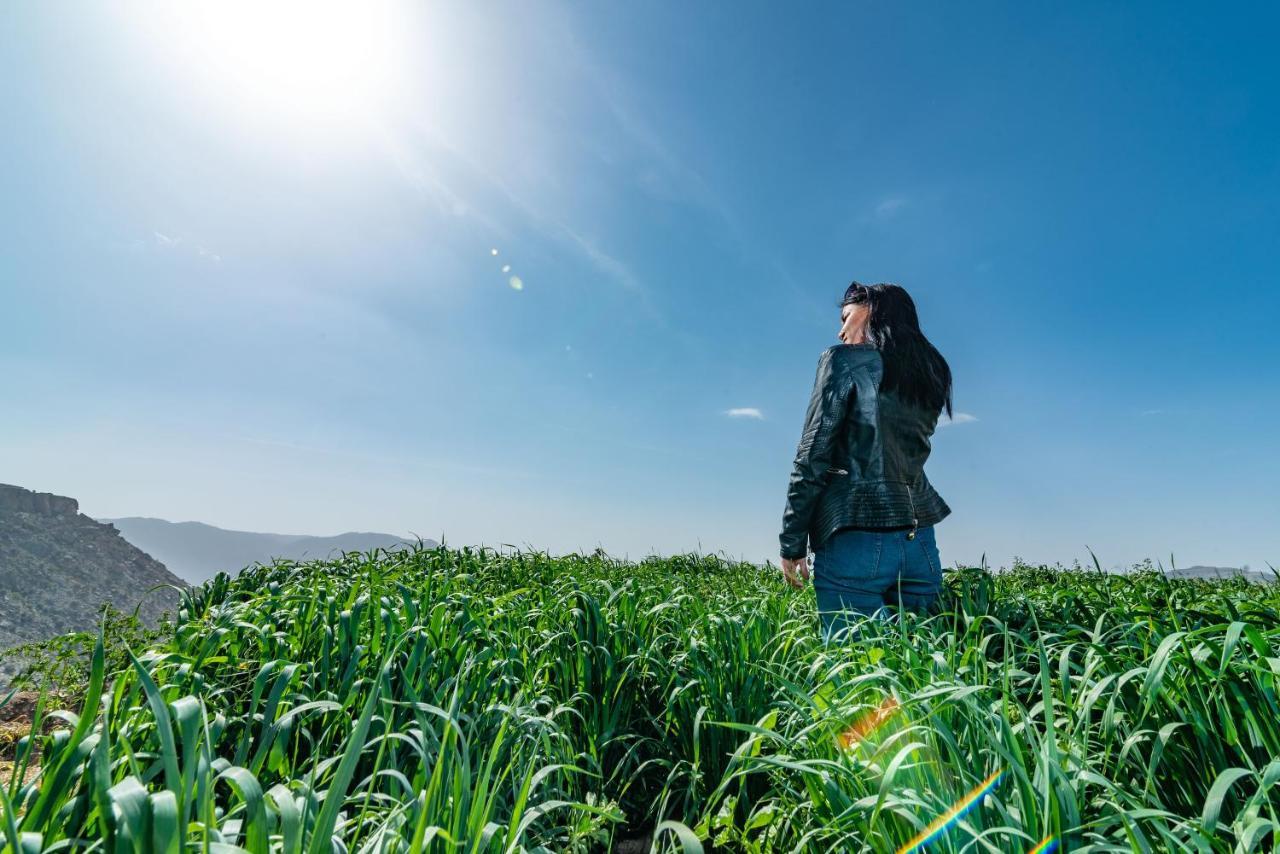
x=57, y=567
x=446, y=699
x=1220, y=572
x=197, y=552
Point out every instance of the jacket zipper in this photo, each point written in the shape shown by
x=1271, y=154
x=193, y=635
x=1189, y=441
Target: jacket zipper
x=915, y=522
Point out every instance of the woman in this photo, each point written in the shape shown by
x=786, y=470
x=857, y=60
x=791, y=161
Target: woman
x=858, y=492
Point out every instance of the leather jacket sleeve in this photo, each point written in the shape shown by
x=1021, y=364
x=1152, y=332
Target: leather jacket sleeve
x=827, y=408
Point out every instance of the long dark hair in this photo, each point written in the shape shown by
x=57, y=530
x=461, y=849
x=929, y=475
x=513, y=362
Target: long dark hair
x=914, y=370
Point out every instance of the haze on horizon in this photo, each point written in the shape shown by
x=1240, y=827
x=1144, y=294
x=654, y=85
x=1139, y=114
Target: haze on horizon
x=558, y=276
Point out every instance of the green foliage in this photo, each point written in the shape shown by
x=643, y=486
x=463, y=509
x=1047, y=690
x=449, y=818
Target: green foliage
x=61, y=664
x=471, y=700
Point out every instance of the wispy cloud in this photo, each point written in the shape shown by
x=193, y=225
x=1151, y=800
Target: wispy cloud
x=422, y=170
x=883, y=210
x=602, y=260
x=1153, y=412
x=430, y=180
x=165, y=241
x=958, y=418
x=890, y=206
x=668, y=175
x=664, y=171
x=745, y=412
x=622, y=134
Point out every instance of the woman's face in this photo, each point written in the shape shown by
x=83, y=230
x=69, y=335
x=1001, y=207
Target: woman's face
x=853, y=323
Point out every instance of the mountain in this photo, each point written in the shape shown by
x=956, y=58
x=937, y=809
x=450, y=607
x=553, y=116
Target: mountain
x=57, y=567
x=1219, y=572
x=197, y=551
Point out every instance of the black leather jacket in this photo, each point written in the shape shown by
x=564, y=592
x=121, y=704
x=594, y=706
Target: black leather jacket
x=860, y=461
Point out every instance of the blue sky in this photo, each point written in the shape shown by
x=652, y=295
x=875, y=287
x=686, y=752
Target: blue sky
x=247, y=269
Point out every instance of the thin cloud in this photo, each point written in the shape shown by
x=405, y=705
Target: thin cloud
x=664, y=173
x=958, y=418
x=745, y=412
x=603, y=261
x=164, y=241
x=885, y=209
x=667, y=175
x=550, y=224
x=424, y=175
x=890, y=206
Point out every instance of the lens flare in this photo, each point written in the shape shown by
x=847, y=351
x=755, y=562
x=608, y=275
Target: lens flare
x=868, y=723
x=945, y=820
x=1046, y=846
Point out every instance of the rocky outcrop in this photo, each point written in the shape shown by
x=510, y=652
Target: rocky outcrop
x=58, y=567
x=15, y=499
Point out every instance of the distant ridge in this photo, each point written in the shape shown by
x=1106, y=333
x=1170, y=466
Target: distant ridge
x=1218, y=572
x=197, y=552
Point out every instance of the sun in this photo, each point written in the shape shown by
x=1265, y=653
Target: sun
x=297, y=60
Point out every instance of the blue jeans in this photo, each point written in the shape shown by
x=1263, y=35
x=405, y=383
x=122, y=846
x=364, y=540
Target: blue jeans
x=860, y=573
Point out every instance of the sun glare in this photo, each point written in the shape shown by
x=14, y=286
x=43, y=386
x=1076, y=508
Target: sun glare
x=301, y=60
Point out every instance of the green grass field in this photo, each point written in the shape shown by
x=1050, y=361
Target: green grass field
x=471, y=700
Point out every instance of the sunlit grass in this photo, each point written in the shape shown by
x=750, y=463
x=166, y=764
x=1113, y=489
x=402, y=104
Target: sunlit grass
x=471, y=700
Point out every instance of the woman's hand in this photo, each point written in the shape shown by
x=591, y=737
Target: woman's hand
x=796, y=571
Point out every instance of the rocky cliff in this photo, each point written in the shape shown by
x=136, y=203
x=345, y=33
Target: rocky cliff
x=15, y=499
x=57, y=567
